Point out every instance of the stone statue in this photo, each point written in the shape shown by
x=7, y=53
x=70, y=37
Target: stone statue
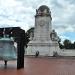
x=54, y=36
x=31, y=36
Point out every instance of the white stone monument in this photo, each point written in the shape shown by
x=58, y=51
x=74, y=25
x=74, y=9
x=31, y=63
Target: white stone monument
x=45, y=39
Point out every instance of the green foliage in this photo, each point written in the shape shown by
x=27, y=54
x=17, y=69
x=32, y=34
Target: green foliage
x=61, y=46
x=31, y=30
x=67, y=44
x=28, y=33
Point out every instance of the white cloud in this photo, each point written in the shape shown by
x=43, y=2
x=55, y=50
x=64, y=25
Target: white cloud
x=21, y=13
x=8, y=3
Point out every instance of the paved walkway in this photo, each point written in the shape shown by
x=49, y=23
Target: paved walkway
x=41, y=66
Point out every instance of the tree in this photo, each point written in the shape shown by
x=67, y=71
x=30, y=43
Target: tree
x=31, y=30
x=28, y=33
x=1, y=32
x=74, y=45
x=67, y=44
x=60, y=44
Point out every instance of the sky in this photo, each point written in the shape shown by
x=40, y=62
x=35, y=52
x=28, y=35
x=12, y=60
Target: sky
x=21, y=13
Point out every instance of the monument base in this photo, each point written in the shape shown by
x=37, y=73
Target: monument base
x=45, y=49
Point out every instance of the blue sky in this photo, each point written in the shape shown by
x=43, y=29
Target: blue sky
x=21, y=13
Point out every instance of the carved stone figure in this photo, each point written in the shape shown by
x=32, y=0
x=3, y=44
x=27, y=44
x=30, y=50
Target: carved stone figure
x=54, y=36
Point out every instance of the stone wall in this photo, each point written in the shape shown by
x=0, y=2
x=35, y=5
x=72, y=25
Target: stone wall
x=68, y=52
